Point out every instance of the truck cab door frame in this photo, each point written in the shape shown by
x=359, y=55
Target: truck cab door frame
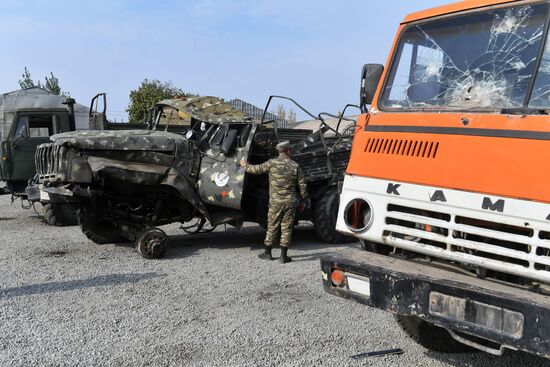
x=221, y=178
x=98, y=119
x=31, y=128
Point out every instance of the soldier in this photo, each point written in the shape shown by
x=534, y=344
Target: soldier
x=284, y=177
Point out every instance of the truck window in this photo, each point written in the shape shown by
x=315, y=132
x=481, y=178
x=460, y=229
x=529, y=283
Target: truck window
x=540, y=98
x=40, y=125
x=21, y=127
x=479, y=61
x=218, y=136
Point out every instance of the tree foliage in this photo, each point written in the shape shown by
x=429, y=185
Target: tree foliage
x=281, y=112
x=51, y=83
x=291, y=117
x=27, y=81
x=149, y=93
x=284, y=114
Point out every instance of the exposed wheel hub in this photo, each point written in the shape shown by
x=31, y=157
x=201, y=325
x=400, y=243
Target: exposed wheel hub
x=152, y=243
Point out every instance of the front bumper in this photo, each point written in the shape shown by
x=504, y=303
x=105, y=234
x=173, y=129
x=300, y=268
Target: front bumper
x=50, y=195
x=508, y=316
x=33, y=193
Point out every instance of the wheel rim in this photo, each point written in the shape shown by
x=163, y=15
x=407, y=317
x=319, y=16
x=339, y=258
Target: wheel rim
x=152, y=243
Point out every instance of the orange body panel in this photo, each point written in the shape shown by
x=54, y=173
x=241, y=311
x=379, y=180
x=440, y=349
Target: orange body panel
x=453, y=8
x=513, y=167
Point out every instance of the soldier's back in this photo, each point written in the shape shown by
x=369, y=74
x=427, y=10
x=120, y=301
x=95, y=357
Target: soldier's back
x=283, y=176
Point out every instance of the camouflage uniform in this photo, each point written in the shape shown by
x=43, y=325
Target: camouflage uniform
x=285, y=176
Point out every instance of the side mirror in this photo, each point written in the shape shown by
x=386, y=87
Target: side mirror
x=229, y=142
x=370, y=77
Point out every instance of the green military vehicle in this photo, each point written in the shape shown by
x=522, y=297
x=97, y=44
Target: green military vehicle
x=27, y=119
x=59, y=213
x=128, y=183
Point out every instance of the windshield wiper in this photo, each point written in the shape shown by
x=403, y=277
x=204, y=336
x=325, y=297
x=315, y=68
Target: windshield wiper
x=524, y=111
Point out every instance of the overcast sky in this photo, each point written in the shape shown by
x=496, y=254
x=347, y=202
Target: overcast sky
x=311, y=50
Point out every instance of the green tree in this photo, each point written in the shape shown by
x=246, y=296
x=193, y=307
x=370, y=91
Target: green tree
x=51, y=83
x=291, y=117
x=281, y=112
x=27, y=81
x=149, y=93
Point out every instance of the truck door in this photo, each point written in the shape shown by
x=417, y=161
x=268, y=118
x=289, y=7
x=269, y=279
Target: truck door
x=4, y=166
x=29, y=130
x=98, y=112
x=221, y=177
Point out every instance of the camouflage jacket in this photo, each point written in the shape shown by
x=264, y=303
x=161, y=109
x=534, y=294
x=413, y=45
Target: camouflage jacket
x=285, y=176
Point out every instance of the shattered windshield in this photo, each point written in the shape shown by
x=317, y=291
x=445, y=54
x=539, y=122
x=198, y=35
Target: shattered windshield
x=540, y=98
x=478, y=61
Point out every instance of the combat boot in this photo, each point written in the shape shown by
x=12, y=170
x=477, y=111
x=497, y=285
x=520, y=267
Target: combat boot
x=284, y=258
x=266, y=255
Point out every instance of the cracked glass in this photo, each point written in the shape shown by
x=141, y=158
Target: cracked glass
x=540, y=98
x=479, y=61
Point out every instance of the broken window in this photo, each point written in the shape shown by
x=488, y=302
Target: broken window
x=478, y=61
x=540, y=98
x=36, y=125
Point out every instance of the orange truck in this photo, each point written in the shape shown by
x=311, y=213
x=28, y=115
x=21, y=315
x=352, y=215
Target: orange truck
x=447, y=189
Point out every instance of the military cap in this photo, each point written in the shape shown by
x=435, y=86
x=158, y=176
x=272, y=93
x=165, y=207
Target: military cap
x=282, y=146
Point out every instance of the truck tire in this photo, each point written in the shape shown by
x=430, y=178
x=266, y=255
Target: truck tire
x=97, y=232
x=325, y=213
x=60, y=215
x=430, y=336
x=378, y=248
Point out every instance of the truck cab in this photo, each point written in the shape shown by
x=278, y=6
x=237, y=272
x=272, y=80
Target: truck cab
x=28, y=121
x=446, y=188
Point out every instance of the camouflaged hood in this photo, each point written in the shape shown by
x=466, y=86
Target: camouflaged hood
x=120, y=140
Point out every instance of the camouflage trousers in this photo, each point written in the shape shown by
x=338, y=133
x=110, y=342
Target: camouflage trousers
x=280, y=221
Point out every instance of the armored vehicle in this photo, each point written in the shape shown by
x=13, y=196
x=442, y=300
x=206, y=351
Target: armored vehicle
x=27, y=119
x=127, y=183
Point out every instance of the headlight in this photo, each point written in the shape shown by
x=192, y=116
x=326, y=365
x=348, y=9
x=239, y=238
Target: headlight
x=358, y=215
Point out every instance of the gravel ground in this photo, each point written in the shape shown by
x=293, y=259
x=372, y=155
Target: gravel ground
x=65, y=301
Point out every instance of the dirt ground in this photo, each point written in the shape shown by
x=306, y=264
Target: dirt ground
x=65, y=301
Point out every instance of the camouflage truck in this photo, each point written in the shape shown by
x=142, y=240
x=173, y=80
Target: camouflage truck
x=128, y=183
x=63, y=214
x=27, y=119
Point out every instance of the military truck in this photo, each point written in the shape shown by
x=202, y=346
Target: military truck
x=27, y=119
x=96, y=118
x=127, y=183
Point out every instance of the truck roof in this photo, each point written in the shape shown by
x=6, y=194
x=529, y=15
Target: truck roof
x=208, y=109
x=453, y=8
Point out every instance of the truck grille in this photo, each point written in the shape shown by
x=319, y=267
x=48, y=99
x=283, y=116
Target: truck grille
x=505, y=248
x=48, y=159
x=407, y=148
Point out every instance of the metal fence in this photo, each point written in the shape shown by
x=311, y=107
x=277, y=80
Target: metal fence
x=256, y=112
